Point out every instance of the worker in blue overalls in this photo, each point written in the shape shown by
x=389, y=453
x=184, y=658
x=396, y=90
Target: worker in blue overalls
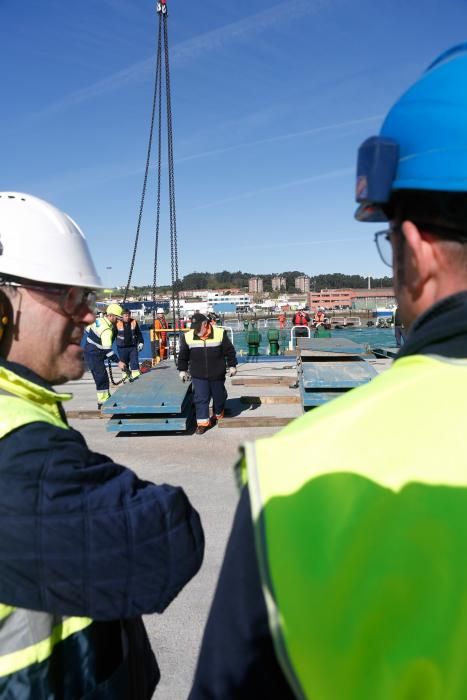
x=98, y=349
x=129, y=342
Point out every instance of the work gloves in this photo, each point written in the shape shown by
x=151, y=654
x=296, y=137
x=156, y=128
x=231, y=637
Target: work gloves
x=183, y=376
x=140, y=346
x=232, y=371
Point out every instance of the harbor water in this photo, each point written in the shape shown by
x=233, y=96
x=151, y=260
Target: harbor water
x=373, y=337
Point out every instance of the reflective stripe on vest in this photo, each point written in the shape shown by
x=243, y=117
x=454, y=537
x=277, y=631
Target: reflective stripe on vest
x=27, y=636
x=215, y=341
x=120, y=327
x=362, y=538
x=95, y=331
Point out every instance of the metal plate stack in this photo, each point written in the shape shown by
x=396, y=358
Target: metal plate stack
x=328, y=367
x=154, y=402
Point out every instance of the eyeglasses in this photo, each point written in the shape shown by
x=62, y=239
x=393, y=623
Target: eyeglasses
x=72, y=300
x=384, y=245
x=383, y=238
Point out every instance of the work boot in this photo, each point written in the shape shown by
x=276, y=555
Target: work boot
x=216, y=417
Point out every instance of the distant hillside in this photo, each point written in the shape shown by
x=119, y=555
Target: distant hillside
x=225, y=279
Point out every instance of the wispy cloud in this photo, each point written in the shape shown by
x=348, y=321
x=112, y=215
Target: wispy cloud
x=102, y=174
x=281, y=13
x=340, y=172
x=187, y=50
x=282, y=137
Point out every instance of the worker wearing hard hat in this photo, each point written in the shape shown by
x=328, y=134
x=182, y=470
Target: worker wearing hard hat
x=205, y=350
x=100, y=336
x=159, y=336
x=86, y=546
x=346, y=572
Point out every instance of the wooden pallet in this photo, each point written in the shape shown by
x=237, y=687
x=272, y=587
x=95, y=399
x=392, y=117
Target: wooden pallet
x=263, y=381
x=254, y=422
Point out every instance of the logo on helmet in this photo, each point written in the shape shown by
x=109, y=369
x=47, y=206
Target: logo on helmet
x=361, y=188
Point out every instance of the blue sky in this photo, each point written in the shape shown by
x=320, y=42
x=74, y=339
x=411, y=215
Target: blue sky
x=270, y=103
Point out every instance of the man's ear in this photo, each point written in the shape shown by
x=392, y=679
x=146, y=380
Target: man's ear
x=419, y=258
x=6, y=323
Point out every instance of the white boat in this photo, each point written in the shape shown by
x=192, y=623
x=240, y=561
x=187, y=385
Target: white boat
x=384, y=312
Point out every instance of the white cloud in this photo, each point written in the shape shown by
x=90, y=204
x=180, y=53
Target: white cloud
x=340, y=172
x=188, y=49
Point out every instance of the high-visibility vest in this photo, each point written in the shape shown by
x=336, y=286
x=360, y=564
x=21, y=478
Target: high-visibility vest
x=361, y=538
x=29, y=637
x=101, y=333
x=300, y=320
x=159, y=325
x=216, y=340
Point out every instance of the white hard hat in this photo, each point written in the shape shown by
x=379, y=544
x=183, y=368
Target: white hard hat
x=160, y=310
x=41, y=243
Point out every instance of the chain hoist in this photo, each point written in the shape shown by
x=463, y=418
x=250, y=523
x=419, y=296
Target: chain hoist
x=162, y=64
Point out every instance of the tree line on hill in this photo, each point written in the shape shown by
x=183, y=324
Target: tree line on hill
x=239, y=280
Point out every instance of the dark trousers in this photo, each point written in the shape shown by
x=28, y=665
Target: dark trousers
x=129, y=355
x=301, y=332
x=96, y=361
x=205, y=389
x=400, y=334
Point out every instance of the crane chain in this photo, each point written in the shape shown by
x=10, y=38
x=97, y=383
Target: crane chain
x=157, y=106
x=109, y=367
x=159, y=151
x=171, y=182
x=146, y=173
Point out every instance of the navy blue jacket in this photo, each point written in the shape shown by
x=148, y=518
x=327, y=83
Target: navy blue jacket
x=81, y=535
x=237, y=658
x=207, y=362
x=128, y=334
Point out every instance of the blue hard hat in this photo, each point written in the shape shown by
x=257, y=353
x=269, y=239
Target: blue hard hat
x=423, y=140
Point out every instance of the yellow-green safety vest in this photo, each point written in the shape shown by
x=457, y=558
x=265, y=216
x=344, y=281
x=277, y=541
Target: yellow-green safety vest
x=216, y=340
x=360, y=521
x=101, y=333
x=28, y=637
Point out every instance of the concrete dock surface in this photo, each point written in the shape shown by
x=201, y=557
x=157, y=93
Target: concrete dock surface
x=203, y=466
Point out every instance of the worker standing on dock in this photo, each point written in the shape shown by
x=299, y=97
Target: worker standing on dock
x=204, y=350
x=159, y=336
x=319, y=316
x=129, y=342
x=301, y=320
x=346, y=570
x=399, y=330
x=87, y=547
x=100, y=336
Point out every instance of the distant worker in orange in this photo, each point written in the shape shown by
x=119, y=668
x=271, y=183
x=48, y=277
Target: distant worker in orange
x=302, y=319
x=282, y=319
x=160, y=335
x=319, y=316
